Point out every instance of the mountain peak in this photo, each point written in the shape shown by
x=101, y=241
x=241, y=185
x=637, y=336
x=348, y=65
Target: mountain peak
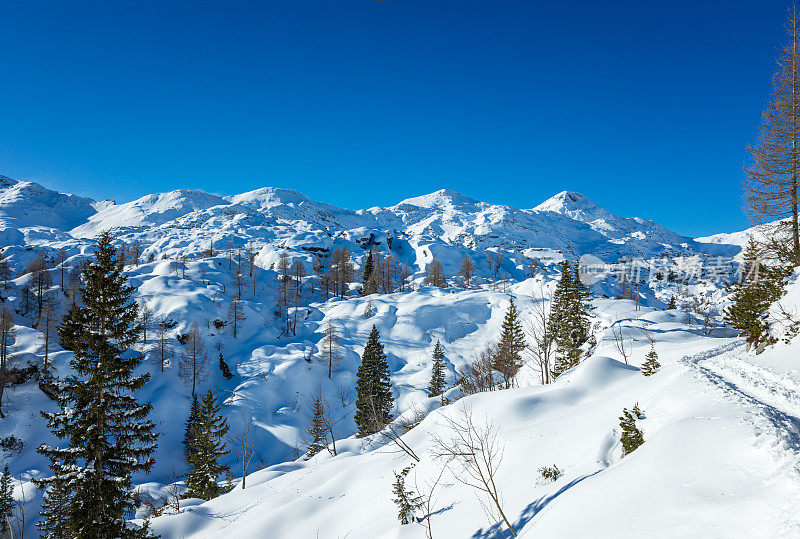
x=574, y=205
x=439, y=199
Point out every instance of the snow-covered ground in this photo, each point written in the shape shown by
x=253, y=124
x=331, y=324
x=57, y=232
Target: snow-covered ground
x=720, y=426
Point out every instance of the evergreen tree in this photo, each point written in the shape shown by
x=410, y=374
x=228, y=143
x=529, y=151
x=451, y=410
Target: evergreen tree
x=106, y=431
x=437, y=384
x=191, y=428
x=223, y=366
x=55, y=512
x=205, y=450
x=317, y=431
x=373, y=387
x=370, y=283
x=406, y=500
x=672, y=303
x=6, y=503
x=632, y=437
x=508, y=359
x=752, y=295
x=569, y=318
x=651, y=364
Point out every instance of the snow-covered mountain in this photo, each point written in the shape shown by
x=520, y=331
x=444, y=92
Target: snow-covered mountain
x=443, y=224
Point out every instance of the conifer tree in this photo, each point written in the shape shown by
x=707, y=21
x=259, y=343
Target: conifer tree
x=672, y=303
x=6, y=503
x=192, y=365
x=317, y=430
x=205, y=449
x=370, y=283
x=405, y=499
x=467, y=271
x=106, y=432
x=191, y=428
x=752, y=295
x=569, y=318
x=437, y=383
x=632, y=437
x=223, y=366
x=651, y=364
x=508, y=359
x=55, y=512
x=373, y=387
x=771, y=190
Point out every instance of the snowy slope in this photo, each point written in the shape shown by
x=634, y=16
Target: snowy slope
x=28, y=204
x=716, y=462
x=734, y=481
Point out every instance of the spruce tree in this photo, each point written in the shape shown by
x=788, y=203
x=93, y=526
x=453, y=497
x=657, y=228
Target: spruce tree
x=651, y=364
x=370, y=285
x=569, y=318
x=205, y=450
x=106, y=432
x=191, y=428
x=437, y=383
x=373, y=387
x=223, y=366
x=508, y=359
x=406, y=500
x=631, y=437
x=752, y=295
x=6, y=503
x=317, y=431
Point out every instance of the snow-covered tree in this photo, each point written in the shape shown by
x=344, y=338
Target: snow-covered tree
x=205, y=449
x=374, y=389
x=438, y=383
x=651, y=364
x=106, y=432
x=508, y=359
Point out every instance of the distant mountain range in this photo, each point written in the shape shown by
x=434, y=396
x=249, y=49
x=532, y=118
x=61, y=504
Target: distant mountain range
x=443, y=224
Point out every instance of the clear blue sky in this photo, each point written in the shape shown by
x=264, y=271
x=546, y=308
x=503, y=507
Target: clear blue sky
x=645, y=107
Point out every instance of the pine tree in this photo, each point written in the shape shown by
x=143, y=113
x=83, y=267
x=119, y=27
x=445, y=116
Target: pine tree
x=223, y=366
x=317, y=430
x=672, y=303
x=370, y=283
x=7, y=503
x=107, y=434
x=55, y=512
x=508, y=359
x=632, y=437
x=752, y=295
x=205, y=449
x=651, y=364
x=569, y=318
x=191, y=428
x=407, y=501
x=373, y=387
x=437, y=383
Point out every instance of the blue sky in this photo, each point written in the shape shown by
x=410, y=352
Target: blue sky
x=644, y=107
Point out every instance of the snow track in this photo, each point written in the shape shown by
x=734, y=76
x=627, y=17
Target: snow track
x=772, y=405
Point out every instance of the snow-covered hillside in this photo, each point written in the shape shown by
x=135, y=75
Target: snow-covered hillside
x=720, y=427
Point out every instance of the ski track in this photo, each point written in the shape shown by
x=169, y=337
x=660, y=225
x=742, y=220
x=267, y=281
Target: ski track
x=771, y=402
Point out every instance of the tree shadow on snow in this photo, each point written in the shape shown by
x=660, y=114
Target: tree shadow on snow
x=496, y=530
